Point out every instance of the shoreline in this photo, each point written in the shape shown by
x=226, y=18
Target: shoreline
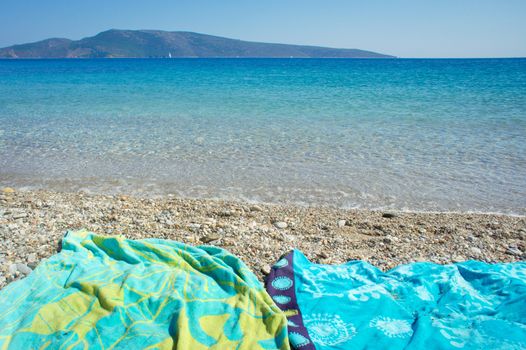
x=520, y=213
x=32, y=222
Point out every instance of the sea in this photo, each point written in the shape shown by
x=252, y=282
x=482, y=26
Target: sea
x=442, y=135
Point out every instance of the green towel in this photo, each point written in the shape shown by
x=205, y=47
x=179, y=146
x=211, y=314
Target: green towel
x=112, y=293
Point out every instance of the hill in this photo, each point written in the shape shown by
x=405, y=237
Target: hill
x=156, y=43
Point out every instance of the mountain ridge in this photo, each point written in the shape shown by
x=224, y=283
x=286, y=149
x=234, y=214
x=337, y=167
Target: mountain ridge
x=147, y=43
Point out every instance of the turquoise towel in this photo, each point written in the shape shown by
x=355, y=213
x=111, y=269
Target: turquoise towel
x=111, y=293
x=469, y=305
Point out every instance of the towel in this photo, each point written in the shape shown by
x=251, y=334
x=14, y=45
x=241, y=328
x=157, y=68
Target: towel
x=102, y=292
x=468, y=305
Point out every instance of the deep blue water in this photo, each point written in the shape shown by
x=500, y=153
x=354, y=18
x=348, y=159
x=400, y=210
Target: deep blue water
x=427, y=134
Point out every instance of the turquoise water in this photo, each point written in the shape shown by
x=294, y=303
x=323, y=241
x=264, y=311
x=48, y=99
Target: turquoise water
x=440, y=135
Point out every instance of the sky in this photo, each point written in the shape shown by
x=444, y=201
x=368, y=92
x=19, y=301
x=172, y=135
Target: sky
x=404, y=28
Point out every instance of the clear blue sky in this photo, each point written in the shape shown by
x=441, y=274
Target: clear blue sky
x=405, y=28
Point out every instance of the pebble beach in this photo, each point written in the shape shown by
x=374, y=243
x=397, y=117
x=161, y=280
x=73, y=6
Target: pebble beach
x=32, y=224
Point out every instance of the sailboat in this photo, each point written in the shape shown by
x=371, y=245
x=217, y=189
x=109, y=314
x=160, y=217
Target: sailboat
x=169, y=55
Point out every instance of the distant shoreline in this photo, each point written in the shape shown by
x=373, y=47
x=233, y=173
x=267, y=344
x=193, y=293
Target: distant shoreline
x=158, y=43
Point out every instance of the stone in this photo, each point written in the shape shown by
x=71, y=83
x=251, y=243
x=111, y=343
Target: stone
x=389, y=239
x=476, y=251
x=265, y=269
x=457, y=259
x=255, y=208
x=31, y=258
x=210, y=222
x=225, y=213
x=280, y=224
x=8, y=190
x=12, y=269
x=23, y=269
x=210, y=238
x=389, y=215
x=514, y=250
x=193, y=226
x=323, y=255
x=19, y=216
x=342, y=223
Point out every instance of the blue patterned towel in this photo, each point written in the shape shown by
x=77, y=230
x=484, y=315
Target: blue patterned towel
x=469, y=305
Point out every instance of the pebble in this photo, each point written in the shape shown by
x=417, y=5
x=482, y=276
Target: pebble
x=12, y=269
x=32, y=258
x=255, y=208
x=8, y=190
x=389, y=215
x=19, y=268
x=193, y=226
x=323, y=255
x=514, y=250
x=457, y=259
x=210, y=222
x=225, y=213
x=19, y=216
x=342, y=223
x=390, y=239
x=23, y=268
x=265, y=269
x=476, y=251
x=280, y=224
x=210, y=238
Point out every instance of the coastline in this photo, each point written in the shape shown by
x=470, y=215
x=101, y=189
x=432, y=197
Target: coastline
x=32, y=224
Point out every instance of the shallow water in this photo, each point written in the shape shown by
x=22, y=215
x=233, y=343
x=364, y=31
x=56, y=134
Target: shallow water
x=442, y=135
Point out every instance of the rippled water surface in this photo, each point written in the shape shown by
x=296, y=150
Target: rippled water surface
x=404, y=134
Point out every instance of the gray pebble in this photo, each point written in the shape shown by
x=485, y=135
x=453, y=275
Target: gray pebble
x=281, y=225
x=12, y=269
x=23, y=268
x=31, y=258
x=19, y=216
x=514, y=250
x=476, y=251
